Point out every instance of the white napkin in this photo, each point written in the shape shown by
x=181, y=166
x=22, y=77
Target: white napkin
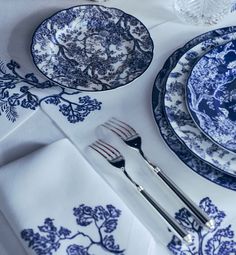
x=55, y=202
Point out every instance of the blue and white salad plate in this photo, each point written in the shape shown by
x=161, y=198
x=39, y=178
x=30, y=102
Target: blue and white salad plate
x=202, y=167
x=92, y=48
x=179, y=117
x=211, y=95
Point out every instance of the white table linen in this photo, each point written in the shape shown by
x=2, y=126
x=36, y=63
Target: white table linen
x=131, y=103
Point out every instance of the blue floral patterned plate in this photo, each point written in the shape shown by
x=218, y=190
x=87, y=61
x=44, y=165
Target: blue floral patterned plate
x=211, y=95
x=179, y=117
x=92, y=48
x=201, y=167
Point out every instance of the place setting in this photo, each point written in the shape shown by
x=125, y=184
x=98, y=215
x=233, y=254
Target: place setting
x=80, y=195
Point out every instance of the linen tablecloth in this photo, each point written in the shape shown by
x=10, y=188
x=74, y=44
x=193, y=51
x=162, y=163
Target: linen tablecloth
x=32, y=122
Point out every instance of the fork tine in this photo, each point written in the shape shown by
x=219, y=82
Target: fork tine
x=120, y=127
x=97, y=149
x=113, y=150
x=116, y=130
x=125, y=124
x=103, y=150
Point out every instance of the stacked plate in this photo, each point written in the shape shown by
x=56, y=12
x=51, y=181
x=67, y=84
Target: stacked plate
x=194, y=104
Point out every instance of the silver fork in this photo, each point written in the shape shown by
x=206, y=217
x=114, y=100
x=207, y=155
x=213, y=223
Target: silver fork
x=133, y=140
x=115, y=158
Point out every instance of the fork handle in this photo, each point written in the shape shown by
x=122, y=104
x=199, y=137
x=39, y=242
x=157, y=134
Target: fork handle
x=182, y=233
x=195, y=210
x=170, y=220
x=200, y=215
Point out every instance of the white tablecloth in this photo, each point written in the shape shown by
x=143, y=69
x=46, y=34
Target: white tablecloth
x=43, y=125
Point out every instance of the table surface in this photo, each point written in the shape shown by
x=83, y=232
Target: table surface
x=131, y=103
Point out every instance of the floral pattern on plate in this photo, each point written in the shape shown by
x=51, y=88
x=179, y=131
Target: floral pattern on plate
x=179, y=117
x=92, y=47
x=170, y=137
x=211, y=95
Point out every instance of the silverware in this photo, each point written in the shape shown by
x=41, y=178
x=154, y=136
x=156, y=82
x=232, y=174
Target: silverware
x=133, y=140
x=115, y=158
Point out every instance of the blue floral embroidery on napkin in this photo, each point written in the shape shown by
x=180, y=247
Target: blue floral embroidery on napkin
x=103, y=220
x=14, y=95
x=218, y=242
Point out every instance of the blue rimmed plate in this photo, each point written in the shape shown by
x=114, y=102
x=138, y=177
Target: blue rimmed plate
x=179, y=117
x=211, y=95
x=177, y=146
x=92, y=48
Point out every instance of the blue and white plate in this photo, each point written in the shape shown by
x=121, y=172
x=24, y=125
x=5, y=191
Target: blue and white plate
x=211, y=95
x=174, y=142
x=92, y=47
x=179, y=117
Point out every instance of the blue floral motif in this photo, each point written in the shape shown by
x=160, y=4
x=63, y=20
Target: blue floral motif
x=218, y=242
x=92, y=47
x=178, y=115
x=211, y=95
x=17, y=91
x=176, y=145
x=49, y=238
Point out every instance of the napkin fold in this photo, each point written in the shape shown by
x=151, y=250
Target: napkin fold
x=57, y=204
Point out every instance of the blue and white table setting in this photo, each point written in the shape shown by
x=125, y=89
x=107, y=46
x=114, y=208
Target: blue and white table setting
x=66, y=68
